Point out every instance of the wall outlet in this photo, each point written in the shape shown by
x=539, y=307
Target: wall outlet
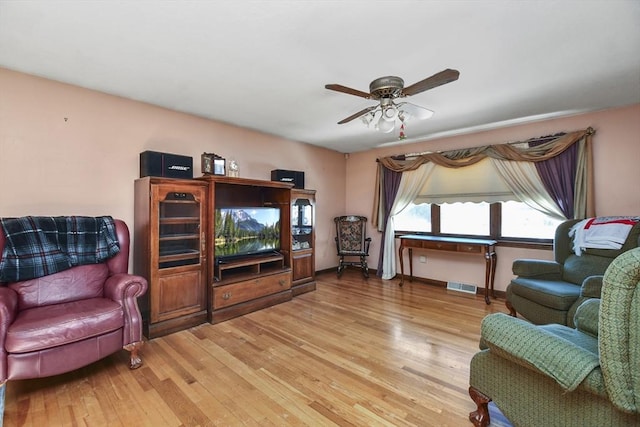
x=423, y=259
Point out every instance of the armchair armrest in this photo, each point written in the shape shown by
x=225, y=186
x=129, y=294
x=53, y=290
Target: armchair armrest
x=536, y=268
x=592, y=287
x=125, y=290
x=8, y=312
x=120, y=287
x=587, y=316
x=8, y=309
x=538, y=347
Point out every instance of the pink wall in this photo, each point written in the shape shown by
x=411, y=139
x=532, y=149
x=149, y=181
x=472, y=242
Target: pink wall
x=616, y=153
x=86, y=164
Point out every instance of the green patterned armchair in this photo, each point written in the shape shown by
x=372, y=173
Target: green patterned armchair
x=551, y=291
x=554, y=375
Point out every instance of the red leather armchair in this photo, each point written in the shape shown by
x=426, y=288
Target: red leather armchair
x=67, y=320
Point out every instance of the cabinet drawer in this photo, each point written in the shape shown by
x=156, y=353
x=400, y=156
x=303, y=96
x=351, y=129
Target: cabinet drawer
x=224, y=296
x=441, y=246
x=474, y=249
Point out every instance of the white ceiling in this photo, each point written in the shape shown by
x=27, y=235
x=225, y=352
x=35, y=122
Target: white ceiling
x=263, y=64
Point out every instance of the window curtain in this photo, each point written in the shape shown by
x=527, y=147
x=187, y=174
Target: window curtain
x=388, y=191
x=502, y=155
x=523, y=179
x=410, y=184
x=558, y=176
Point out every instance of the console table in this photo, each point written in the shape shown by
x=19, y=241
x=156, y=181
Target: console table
x=452, y=244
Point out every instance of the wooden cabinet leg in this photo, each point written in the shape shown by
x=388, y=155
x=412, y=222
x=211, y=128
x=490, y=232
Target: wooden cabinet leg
x=479, y=417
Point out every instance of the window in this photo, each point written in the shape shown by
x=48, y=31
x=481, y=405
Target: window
x=512, y=220
x=414, y=218
x=521, y=221
x=465, y=218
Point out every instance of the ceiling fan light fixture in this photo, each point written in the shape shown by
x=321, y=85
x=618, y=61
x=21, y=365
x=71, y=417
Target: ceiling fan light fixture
x=389, y=113
x=385, y=126
x=367, y=119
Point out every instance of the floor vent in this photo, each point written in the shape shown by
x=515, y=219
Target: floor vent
x=462, y=287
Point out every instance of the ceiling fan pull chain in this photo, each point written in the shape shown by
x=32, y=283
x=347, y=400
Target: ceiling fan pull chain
x=402, y=135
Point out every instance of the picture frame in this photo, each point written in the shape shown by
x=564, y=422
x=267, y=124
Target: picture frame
x=219, y=166
x=212, y=164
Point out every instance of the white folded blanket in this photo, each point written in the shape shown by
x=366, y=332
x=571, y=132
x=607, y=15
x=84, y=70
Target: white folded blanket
x=605, y=232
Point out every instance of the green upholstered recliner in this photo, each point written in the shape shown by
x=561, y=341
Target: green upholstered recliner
x=554, y=375
x=550, y=291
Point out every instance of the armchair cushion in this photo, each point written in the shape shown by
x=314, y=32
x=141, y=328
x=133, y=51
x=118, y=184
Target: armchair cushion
x=577, y=268
x=85, y=281
x=561, y=353
x=50, y=326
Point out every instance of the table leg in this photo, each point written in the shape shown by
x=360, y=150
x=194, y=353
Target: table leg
x=494, y=262
x=401, y=265
x=487, y=276
x=411, y=264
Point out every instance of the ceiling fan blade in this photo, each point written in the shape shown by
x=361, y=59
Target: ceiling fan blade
x=438, y=79
x=348, y=90
x=414, y=112
x=358, y=114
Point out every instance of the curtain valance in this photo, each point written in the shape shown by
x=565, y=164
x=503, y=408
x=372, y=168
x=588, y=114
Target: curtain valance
x=518, y=151
x=521, y=151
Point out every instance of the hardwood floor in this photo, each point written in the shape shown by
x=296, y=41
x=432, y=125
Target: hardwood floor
x=352, y=353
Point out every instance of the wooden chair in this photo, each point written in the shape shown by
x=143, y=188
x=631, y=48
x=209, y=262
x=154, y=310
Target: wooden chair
x=352, y=241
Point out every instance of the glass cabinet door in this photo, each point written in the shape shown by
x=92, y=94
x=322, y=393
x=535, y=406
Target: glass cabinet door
x=302, y=224
x=179, y=233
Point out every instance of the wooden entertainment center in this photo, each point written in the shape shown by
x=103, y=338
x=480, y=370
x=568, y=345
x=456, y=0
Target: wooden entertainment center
x=250, y=283
x=175, y=249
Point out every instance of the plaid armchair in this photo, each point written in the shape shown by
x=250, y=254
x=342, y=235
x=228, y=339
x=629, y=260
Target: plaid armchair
x=352, y=241
x=554, y=375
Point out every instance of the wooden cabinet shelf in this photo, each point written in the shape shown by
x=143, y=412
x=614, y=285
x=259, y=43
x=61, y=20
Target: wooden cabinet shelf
x=181, y=220
x=240, y=269
x=179, y=236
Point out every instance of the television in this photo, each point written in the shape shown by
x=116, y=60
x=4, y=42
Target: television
x=245, y=231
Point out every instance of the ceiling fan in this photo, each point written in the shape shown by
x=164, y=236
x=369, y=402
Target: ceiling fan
x=386, y=89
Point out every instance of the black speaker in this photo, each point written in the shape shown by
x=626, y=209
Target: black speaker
x=153, y=163
x=296, y=177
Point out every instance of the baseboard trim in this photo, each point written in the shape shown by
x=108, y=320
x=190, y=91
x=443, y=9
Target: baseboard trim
x=425, y=280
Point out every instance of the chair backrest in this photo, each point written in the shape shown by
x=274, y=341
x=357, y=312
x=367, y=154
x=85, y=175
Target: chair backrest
x=619, y=331
x=76, y=283
x=351, y=234
x=591, y=262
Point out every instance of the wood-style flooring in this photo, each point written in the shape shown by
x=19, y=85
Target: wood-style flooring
x=353, y=353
